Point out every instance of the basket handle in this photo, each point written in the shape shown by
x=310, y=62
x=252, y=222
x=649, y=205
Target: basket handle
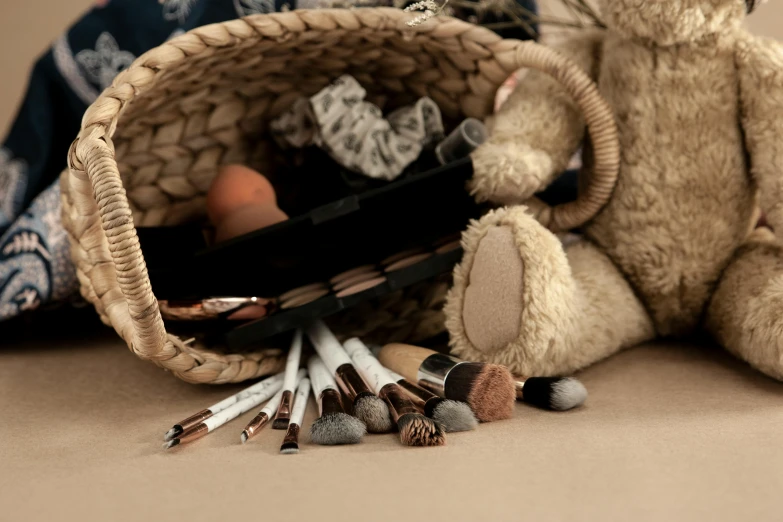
x=601, y=128
x=95, y=182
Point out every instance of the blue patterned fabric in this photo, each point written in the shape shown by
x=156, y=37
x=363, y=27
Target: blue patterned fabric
x=34, y=261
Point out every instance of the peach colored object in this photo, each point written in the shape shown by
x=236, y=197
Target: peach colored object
x=234, y=187
x=247, y=219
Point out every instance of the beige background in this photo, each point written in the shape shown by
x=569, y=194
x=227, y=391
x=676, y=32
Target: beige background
x=670, y=432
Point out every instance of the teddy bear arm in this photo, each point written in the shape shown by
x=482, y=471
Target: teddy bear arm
x=536, y=132
x=760, y=68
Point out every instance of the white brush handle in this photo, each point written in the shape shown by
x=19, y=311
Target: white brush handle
x=292, y=363
x=300, y=402
x=262, y=390
x=320, y=378
x=394, y=375
x=243, y=406
x=328, y=347
x=367, y=365
x=274, y=403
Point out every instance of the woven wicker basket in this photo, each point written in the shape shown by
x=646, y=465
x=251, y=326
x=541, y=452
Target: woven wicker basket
x=152, y=142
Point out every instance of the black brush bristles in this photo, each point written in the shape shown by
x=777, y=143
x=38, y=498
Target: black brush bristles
x=280, y=423
x=289, y=448
x=554, y=393
x=460, y=381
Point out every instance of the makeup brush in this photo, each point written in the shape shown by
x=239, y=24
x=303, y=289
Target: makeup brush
x=291, y=441
x=452, y=415
x=222, y=417
x=551, y=393
x=488, y=388
x=367, y=406
x=333, y=426
x=289, y=382
x=266, y=413
x=415, y=428
x=265, y=388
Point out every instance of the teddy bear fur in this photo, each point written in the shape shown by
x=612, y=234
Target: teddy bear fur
x=699, y=108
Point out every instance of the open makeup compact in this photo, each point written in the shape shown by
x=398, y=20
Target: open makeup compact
x=350, y=239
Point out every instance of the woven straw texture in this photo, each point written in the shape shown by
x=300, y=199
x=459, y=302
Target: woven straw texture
x=150, y=145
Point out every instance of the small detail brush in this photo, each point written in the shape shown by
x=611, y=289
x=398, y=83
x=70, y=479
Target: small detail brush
x=551, y=393
x=452, y=415
x=367, y=406
x=333, y=426
x=266, y=413
x=415, y=429
x=289, y=384
x=291, y=441
x=265, y=388
x=488, y=388
x=224, y=416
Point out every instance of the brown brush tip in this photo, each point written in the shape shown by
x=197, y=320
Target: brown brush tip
x=418, y=430
x=488, y=388
x=280, y=423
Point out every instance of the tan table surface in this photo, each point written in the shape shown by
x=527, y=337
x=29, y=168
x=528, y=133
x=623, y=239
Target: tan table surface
x=669, y=432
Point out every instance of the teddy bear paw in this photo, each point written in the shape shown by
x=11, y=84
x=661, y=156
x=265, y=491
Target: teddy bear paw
x=507, y=172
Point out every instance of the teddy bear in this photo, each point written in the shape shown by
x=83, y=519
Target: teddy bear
x=675, y=252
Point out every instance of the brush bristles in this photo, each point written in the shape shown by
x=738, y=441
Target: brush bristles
x=280, y=423
x=337, y=428
x=374, y=413
x=554, y=393
x=487, y=388
x=171, y=444
x=289, y=448
x=454, y=416
x=418, y=430
x=243, y=437
x=173, y=432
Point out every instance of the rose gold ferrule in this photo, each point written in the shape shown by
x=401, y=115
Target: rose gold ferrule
x=351, y=382
x=193, y=433
x=398, y=401
x=330, y=402
x=255, y=425
x=284, y=410
x=292, y=435
x=193, y=420
x=418, y=394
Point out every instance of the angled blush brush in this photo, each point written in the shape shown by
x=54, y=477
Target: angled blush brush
x=551, y=393
x=262, y=417
x=290, y=444
x=367, y=406
x=452, y=415
x=488, y=388
x=289, y=382
x=415, y=428
x=333, y=426
x=263, y=389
